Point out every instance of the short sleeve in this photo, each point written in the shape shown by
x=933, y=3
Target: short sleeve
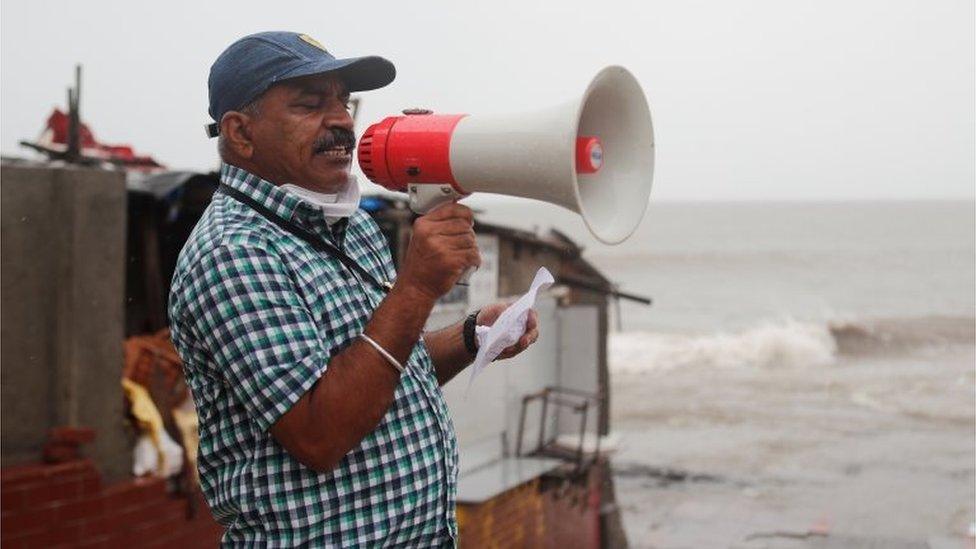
x=245, y=310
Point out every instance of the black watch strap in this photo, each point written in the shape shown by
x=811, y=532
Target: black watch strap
x=470, y=341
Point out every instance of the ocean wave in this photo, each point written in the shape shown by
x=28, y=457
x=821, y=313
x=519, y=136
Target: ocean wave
x=901, y=334
x=784, y=343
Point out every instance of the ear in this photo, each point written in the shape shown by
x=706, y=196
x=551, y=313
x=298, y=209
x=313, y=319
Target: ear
x=235, y=128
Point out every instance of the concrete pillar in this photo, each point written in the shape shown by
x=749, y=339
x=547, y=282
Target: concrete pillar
x=62, y=286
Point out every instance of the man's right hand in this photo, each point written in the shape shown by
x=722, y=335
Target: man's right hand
x=441, y=249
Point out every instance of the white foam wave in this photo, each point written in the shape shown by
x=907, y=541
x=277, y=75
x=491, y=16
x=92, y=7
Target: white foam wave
x=786, y=343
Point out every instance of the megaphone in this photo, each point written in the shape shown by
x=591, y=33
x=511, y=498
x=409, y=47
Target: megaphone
x=594, y=155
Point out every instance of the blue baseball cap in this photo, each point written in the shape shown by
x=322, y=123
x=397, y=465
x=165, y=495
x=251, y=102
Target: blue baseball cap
x=256, y=62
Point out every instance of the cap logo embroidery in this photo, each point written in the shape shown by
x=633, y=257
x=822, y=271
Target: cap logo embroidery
x=312, y=42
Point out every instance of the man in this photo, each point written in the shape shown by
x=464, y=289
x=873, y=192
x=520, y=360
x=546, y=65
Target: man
x=321, y=417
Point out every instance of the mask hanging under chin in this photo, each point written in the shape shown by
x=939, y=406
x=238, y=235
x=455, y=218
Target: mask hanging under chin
x=341, y=204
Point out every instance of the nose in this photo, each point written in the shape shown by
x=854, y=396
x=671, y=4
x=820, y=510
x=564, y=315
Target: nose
x=338, y=116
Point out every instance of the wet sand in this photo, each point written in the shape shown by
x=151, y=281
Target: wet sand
x=868, y=451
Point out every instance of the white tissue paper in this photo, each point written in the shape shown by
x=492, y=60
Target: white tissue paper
x=510, y=325
x=145, y=456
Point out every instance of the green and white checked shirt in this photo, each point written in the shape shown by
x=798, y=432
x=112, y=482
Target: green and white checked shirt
x=256, y=315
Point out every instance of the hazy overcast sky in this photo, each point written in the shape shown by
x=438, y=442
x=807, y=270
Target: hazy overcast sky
x=751, y=99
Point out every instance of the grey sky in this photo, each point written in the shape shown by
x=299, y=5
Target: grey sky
x=751, y=99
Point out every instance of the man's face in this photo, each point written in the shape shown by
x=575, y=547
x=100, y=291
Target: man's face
x=302, y=133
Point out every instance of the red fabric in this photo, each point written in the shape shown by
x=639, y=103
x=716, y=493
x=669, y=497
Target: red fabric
x=58, y=124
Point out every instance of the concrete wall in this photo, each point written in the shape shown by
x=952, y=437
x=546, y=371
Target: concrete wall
x=62, y=236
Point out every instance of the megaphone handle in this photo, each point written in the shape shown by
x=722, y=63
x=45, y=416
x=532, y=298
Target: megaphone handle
x=425, y=197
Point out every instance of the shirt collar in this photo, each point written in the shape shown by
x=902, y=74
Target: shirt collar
x=266, y=193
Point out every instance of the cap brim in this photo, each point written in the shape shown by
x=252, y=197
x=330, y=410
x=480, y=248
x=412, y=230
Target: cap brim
x=358, y=73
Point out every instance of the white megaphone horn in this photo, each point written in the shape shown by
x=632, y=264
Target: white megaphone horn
x=594, y=156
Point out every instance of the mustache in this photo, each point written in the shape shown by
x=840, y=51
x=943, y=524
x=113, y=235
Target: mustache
x=335, y=138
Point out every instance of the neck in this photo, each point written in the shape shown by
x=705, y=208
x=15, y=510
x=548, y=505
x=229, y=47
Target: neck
x=255, y=169
x=276, y=179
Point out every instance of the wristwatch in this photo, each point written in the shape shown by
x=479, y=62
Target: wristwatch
x=470, y=341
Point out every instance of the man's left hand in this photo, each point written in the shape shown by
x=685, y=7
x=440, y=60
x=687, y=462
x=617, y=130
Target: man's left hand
x=489, y=314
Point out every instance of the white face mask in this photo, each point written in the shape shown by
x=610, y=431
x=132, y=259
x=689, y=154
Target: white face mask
x=341, y=204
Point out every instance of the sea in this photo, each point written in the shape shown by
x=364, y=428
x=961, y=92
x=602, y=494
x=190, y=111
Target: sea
x=746, y=283
x=802, y=353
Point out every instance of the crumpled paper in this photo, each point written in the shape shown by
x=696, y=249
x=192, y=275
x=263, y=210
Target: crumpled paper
x=509, y=326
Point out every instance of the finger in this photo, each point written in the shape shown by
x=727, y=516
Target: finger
x=508, y=352
x=519, y=346
x=453, y=226
x=421, y=226
x=449, y=211
x=440, y=212
x=461, y=244
x=462, y=260
x=463, y=212
x=489, y=313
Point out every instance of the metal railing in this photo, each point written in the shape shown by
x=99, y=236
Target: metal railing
x=575, y=400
